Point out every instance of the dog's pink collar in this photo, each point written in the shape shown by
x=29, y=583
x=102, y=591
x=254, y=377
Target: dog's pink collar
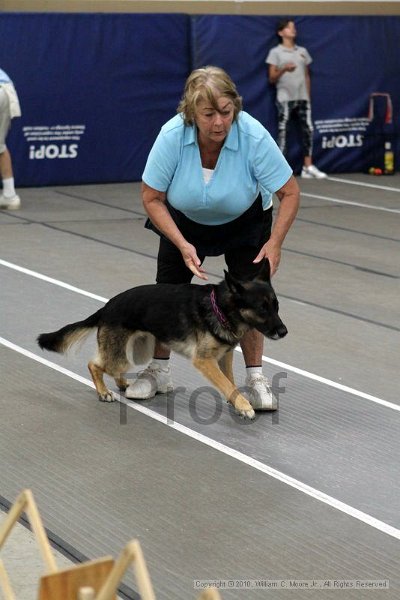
x=218, y=312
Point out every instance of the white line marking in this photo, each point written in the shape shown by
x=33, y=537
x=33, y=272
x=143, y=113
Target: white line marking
x=363, y=184
x=334, y=384
x=45, y=362
x=251, y=462
x=62, y=284
x=350, y=203
x=339, y=386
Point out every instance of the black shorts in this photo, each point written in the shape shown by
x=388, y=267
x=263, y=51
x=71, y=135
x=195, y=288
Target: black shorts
x=239, y=259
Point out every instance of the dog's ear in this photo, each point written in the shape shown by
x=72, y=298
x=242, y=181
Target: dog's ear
x=233, y=284
x=264, y=273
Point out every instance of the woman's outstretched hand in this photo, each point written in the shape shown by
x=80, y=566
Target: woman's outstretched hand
x=192, y=261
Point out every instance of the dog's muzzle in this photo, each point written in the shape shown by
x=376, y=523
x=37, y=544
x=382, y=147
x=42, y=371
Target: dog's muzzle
x=280, y=332
x=274, y=333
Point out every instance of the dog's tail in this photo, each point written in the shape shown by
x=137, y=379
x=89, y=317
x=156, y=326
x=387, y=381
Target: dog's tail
x=62, y=340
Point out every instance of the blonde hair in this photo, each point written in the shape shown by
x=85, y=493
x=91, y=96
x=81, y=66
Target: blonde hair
x=208, y=83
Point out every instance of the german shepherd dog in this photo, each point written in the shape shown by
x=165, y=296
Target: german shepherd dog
x=201, y=322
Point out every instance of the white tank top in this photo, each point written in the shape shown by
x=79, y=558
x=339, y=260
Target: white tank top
x=207, y=174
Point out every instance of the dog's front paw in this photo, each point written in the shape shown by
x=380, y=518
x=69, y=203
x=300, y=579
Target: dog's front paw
x=247, y=414
x=244, y=408
x=108, y=397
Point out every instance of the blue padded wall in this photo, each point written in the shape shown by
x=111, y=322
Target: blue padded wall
x=353, y=57
x=96, y=88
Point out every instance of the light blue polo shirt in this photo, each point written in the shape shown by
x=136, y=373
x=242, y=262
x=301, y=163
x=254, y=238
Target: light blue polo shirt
x=4, y=78
x=250, y=162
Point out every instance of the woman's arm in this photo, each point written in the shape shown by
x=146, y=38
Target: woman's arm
x=289, y=200
x=155, y=206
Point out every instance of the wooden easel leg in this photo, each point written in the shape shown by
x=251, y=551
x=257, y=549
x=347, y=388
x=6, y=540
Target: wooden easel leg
x=132, y=553
x=210, y=594
x=12, y=517
x=26, y=503
x=5, y=584
x=40, y=533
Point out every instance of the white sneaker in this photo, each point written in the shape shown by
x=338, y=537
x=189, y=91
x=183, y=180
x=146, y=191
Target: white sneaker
x=153, y=380
x=260, y=393
x=12, y=203
x=312, y=172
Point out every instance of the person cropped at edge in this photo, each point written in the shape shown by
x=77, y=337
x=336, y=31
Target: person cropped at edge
x=9, y=108
x=288, y=69
x=207, y=188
